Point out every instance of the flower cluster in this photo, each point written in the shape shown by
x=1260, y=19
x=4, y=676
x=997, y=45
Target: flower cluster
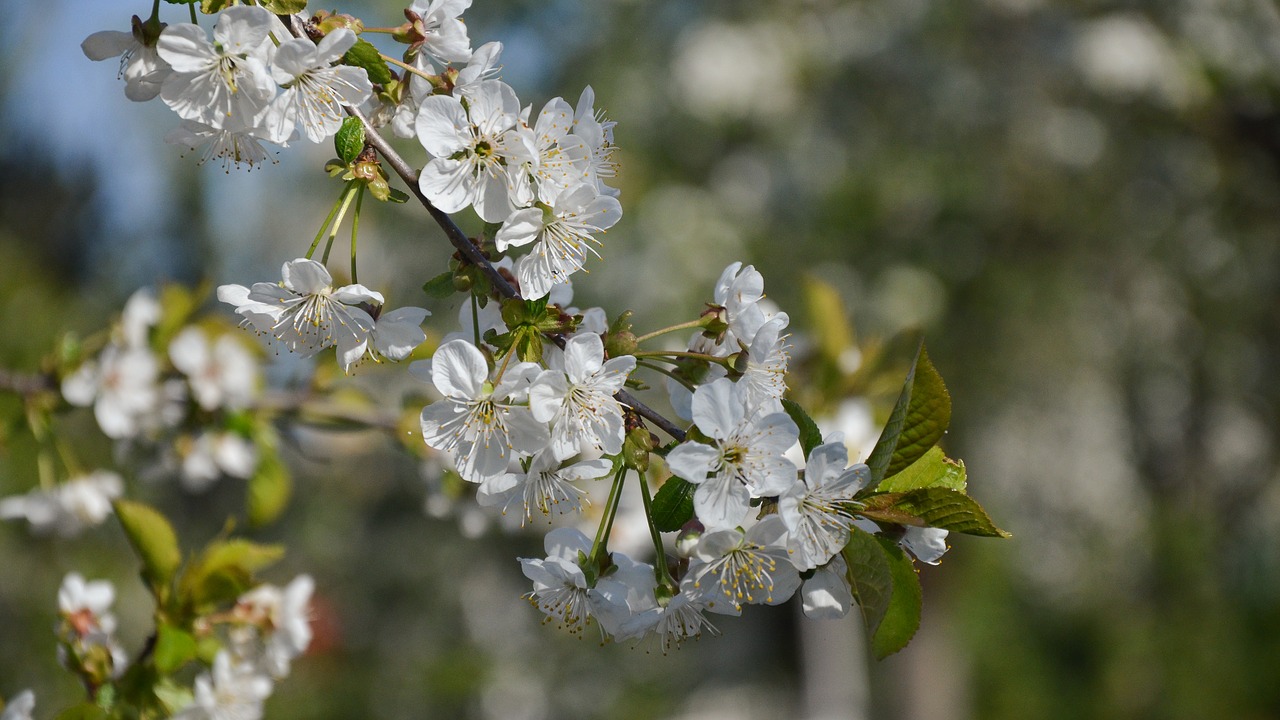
x=251, y=83
x=534, y=403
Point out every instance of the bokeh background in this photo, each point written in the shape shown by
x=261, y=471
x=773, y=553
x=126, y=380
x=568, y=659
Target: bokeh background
x=1077, y=201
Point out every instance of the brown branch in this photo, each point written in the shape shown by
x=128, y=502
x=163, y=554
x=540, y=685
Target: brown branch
x=26, y=384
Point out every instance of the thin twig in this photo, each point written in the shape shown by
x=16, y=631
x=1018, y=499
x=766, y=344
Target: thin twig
x=25, y=384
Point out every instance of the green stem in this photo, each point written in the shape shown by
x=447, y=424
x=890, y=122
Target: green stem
x=44, y=462
x=192, y=8
x=601, y=543
x=475, y=318
x=348, y=194
x=407, y=67
x=355, y=227
x=155, y=11
x=662, y=572
x=668, y=354
x=328, y=219
x=700, y=322
x=658, y=368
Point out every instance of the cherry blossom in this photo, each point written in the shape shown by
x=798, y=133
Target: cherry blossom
x=575, y=395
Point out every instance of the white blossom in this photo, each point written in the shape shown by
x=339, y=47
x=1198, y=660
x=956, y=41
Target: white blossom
x=230, y=691
x=221, y=374
x=562, y=236
x=480, y=422
x=315, y=90
x=67, y=508
x=594, y=135
x=545, y=487
x=306, y=313
x=20, y=706
x=814, y=508
x=746, y=457
x=730, y=567
x=575, y=395
x=469, y=147
x=226, y=78
x=234, y=143
x=397, y=333
x=826, y=595
x=445, y=34
x=141, y=67
x=670, y=622
x=214, y=454
x=121, y=385
x=560, y=588
x=281, y=623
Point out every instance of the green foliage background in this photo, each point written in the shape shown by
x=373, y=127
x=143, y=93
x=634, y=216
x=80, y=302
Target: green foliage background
x=1077, y=201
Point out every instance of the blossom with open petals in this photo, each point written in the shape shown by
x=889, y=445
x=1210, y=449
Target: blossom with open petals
x=814, y=509
x=306, y=313
x=469, y=145
x=481, y=422
x=563, y=235
x=546, y=487
x=314, y=89
x=731, y=568
x=225, y=78
x=745, y=458
x=141, y=67
x=67, y=508
x=575, y=395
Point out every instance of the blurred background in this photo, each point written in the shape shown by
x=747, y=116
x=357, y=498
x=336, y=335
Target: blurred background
x=1077, y=201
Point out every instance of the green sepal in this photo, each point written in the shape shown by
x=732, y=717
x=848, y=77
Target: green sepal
x=270, y=487
x=349, y=140
x=673, y=504
x=364, y=55
x=154, y=541
x=936, y=507
x=396, y=196
x=810, y=435
x=440, y=286
x=174, y=648
x=284, y=7
x=919, y=419
x=933, y=470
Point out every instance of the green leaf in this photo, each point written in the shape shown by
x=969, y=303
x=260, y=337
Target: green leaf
x=172, y=696
x=269, y=489
x=174, y=648
x=440, y=286
x=918, y=421
x=936, y=507
x=870, y=577
x=209, y=7
x=284, y=7
x=349, y=140
x=224, y=572
x=83, y=711
x=673, y=505
x=365, y=55
x=933, y=470
x=152, y=537
x=810, y=435
x=902, y=615
x=181, y=2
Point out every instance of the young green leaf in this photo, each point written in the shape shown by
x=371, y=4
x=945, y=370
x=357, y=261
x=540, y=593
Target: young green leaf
x=152, y=537
x=174, y=648
x=349, y=140
x=673, y=505
x=870, y=577
x=810, y=435
x=269, y=489
x=933, y=470
x=364, y=55
x=440, y=286
x=224, y=572
x=937, y=507
x=919, y=419
x=284, y=7
x=902, y=614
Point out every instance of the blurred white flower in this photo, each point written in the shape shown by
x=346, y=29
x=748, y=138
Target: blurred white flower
x=68, y=508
